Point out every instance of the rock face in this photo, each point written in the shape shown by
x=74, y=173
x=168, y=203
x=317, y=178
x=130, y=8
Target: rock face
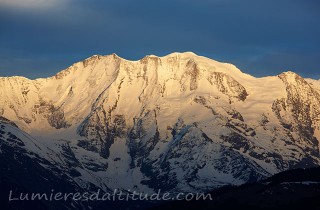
x=181, y=122
x=26, y=166
x=228, y=86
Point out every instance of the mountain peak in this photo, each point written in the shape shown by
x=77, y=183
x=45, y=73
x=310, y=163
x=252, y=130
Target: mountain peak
x=174, y=54
x=290, y=77
x=289, y=73
x=124, y=124
x=187, y=53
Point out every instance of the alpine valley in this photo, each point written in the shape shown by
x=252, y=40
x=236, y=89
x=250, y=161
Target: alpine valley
x=178, y=123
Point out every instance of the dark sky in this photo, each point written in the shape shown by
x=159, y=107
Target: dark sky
x=41, y=37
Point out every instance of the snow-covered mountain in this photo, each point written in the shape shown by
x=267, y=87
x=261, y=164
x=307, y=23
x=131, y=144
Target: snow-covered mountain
x=181, y=122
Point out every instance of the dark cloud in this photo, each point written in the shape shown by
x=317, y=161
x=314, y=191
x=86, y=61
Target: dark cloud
x=260, y=37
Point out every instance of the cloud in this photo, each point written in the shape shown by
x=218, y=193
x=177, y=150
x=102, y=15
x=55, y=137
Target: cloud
x=32, y=4
x=257, y=37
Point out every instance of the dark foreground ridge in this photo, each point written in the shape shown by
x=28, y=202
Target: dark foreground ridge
x=294, y=189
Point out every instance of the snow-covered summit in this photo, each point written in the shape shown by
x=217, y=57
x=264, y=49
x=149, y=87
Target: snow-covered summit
x=176, y=122
x=78, y=86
